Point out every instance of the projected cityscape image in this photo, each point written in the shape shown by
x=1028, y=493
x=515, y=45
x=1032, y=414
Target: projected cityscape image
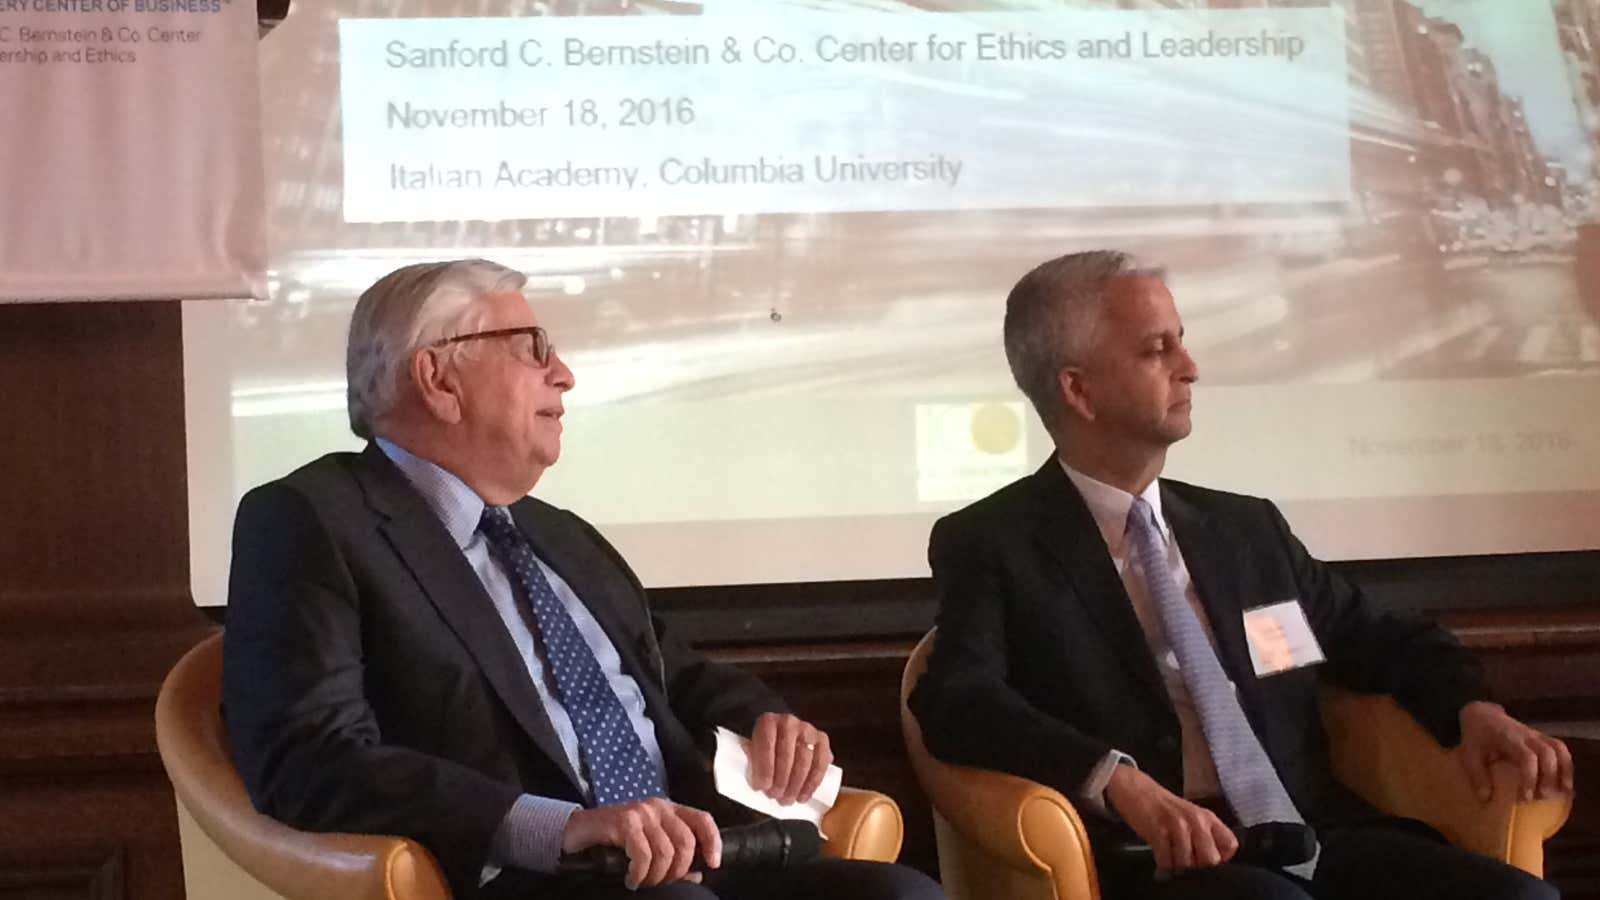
x=1417, y=203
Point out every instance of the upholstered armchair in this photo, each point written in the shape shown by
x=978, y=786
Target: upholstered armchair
x=1009, y=838
x=231, y=851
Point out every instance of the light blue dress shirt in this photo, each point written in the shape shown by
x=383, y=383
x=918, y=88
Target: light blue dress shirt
x=530, y=835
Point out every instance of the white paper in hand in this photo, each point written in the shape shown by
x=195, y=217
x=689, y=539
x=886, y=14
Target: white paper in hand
x=731, y=768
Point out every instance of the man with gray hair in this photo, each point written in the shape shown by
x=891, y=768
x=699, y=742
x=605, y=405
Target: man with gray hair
x=1153, y=649
x=416, y=647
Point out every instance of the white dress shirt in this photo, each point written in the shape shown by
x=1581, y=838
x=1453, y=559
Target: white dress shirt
x=1109, y=506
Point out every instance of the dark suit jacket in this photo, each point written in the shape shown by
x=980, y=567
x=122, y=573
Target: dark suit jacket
x=369, y=685
x=1040, y=666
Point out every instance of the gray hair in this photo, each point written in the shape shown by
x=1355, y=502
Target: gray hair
x=1052, y=317
x=404, y=311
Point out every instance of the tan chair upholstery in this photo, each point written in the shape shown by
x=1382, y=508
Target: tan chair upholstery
x=232, y=852
x=1001, y=836
x=1382, y=754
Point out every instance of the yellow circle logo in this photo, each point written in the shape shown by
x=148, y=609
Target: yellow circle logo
x=996, y=428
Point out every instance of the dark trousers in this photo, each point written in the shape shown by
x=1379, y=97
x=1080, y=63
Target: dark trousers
x=822, y=879
x=1362, y=862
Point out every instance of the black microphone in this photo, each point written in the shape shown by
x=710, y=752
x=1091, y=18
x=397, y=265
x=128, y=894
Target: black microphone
x=772, y=844
x=1270, y=845
x=1276, y=845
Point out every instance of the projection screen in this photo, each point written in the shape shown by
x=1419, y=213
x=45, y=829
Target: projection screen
x=773, y=241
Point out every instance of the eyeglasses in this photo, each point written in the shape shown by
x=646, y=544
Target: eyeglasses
x=534, y=341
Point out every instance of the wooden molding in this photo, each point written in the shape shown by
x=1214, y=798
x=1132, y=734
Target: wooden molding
x=98, y=877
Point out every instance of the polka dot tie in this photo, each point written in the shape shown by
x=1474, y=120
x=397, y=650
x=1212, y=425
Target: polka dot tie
x=619, y=770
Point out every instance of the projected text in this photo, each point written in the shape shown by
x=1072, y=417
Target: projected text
x=829, y=112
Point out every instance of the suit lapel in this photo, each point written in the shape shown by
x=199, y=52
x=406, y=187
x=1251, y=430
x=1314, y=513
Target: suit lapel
x=585, y=570
x=576, y=565
x=1212, y=555
x=1067, y=532
x=450, y=584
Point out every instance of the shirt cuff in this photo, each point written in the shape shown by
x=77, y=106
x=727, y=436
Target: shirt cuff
x=530, y=835
x=1092, y=793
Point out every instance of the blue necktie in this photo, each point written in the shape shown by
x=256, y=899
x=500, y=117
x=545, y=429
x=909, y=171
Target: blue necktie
x=1249, y=781
x=618, y=768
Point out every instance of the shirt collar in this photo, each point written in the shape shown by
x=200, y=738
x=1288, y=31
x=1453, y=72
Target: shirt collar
x=1109, y=505
x=459, y=507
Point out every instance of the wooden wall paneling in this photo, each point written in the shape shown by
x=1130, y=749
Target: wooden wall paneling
x=91, y=875
x=94, y=596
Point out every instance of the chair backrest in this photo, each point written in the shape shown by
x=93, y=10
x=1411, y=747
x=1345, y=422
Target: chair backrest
x=1033, y=847
x=238, y=851
x=916, y=664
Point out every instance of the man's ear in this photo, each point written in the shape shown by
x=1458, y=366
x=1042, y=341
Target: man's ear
x=437, y=384
x=1075, y=392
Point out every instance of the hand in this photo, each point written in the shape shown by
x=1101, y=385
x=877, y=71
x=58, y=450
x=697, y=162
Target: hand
x=788, y=757
x=659, y=836
x=1488, y=734
x=1181, y=834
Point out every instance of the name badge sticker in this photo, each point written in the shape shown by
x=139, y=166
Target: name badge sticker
x=1280, y=638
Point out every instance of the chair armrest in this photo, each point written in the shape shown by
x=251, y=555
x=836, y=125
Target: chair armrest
x=293, y=863
x=1390, y=761
x=1024, y=824
x=863, y=825
x=317, y=866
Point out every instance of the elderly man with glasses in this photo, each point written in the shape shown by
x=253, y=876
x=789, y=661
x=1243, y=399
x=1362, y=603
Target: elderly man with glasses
x=417, y=647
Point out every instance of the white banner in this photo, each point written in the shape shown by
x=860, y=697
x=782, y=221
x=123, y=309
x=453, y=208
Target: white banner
x=130, y=160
